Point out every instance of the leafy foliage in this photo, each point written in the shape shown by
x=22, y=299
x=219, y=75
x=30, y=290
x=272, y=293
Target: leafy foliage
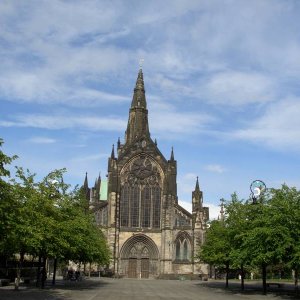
x=257, y=235
x=45, y=219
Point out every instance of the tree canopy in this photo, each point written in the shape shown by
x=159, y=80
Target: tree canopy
x=44, y=218
x=257, y=236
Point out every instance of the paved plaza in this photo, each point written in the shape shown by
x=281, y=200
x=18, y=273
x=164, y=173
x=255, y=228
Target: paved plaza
x=125, y=289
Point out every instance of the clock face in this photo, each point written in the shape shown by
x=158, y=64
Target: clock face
x=257, y=187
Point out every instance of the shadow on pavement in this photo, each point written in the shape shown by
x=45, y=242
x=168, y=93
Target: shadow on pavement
x=252, y=288
x=50, y=292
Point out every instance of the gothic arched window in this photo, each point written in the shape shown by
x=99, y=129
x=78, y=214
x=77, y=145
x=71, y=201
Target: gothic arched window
x=135, y=206
x=125, y=206
x=146, y=207
x=156, y=206
x=182, y=248
x=140, y=199
x=178, y=246
x=185, y=251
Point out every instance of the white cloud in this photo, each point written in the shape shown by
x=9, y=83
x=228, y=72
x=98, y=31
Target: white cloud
x=42, y=140
x=214, y=210
x=215, y=168
x=234, y=88
x=89, y=158
x=56, y=122
x=39, y=88
x=278, y=128
x=169, y=123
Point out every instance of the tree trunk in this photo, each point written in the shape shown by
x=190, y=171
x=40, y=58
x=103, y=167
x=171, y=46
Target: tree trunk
x=54, y=271
x=19, y=267
x=38, y=275
x=264, y=278
x=296, y=279
x=242, y=277
x=227, y=274
x=43, y=273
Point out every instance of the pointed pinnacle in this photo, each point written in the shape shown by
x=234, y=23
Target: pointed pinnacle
x=172, y=155
x=113, y=152
x=85, y=184
x=197, y=188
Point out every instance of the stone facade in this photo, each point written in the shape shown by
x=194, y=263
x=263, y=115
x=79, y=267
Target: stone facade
x=148, y=232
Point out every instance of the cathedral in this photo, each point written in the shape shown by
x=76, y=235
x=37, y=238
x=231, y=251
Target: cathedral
x=149, y=234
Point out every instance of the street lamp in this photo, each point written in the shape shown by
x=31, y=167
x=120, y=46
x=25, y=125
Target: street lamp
x=257, y=187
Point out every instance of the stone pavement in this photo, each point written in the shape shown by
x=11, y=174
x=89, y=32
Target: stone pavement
x=125, y=289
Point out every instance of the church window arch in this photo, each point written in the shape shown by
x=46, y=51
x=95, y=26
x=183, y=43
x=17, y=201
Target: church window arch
x=178, y=246
x=135, y=200
x=182, y=247
x=156, y=195
x=146, y=206
x=185, y=250
x=133, y=252
x=140, y=199
x=125, y=206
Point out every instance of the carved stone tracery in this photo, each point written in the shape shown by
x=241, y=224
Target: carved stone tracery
x=141, y=171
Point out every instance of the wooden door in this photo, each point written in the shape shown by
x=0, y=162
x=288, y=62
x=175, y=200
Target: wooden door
x=145, y=267
x=132, y=266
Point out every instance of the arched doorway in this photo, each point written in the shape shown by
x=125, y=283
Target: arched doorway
x=139, y=257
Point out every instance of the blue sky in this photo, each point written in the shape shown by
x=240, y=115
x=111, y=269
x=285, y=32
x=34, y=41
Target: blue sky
x=221, y=79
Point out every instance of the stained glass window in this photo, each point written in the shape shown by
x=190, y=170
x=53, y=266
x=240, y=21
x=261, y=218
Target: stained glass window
x=146, y=207
x=135, y=205
x=185, y=251
x=125, y=206
x=178, y=250
x=156, y=206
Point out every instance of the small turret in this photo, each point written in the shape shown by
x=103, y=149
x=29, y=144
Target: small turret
x=112, y=156
x=97, y=188
x=172, y=155
x=197, y=197
x=86, y=189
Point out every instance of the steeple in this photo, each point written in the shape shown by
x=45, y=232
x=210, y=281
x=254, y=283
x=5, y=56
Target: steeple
x=139, y=99
x=113, y=152
x=85, y=184
x=86, y=189
x=172, y=155
x=138, y=126
x=197, y=188
x=97, y=187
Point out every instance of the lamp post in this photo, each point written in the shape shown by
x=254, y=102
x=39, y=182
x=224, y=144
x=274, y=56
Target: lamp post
x=257, y=187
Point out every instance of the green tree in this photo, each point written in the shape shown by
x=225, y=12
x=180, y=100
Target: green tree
x=285, y=212
x=7, y=204
x=87, y=242
x=236, y=222
x=7, y=213
x=217, y=246
x=265, y=242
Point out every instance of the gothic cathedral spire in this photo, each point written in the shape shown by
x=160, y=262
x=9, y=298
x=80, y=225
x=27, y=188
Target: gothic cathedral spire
x=138, y=126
